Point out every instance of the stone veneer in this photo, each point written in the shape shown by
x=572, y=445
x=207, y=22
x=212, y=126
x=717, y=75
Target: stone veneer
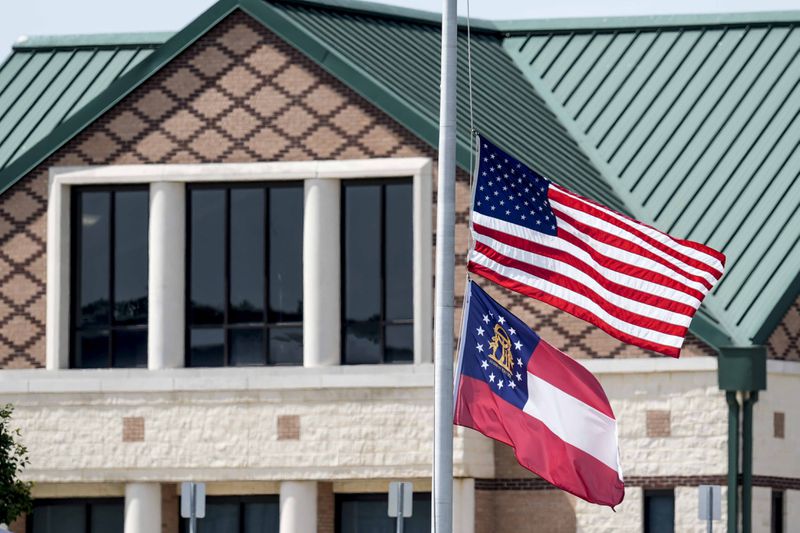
x=239, y=94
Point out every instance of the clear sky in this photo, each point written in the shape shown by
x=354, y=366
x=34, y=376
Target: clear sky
x=51, y=17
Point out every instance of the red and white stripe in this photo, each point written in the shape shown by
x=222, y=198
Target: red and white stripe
x=636, y=283
x=566, y=432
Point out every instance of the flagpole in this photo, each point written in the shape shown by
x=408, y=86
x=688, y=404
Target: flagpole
x=445, y=266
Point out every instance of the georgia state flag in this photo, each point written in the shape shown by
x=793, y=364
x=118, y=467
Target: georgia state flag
x=515, y=388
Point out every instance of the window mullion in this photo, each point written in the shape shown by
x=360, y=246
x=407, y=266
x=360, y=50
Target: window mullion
x=382, y=237
x=266, y=273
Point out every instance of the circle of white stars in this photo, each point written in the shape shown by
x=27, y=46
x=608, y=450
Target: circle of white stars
x=499, y=381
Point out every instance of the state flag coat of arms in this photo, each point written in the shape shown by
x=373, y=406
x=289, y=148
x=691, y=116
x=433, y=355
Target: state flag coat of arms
x=515, y=388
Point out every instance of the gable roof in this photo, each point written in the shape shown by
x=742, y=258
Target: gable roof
x=528, y=77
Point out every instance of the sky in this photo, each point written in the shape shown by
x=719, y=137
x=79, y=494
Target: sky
x=54, y=17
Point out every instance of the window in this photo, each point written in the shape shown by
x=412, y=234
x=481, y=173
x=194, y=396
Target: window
x=776, y=520
x=378, y=263
x=659, y=511
x=245, y=275
x=109, y=302
x=97, y=515
x=367, y=513
x=238, y=514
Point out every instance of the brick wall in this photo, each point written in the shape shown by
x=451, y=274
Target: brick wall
x=239, y=94
x=170, y=508
x=784, y=343
x=514, y=511
x=326, y=508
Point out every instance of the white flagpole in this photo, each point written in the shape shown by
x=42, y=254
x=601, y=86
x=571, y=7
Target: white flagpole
x=445, y=266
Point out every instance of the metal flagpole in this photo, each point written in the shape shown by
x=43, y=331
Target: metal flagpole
x=445, y=266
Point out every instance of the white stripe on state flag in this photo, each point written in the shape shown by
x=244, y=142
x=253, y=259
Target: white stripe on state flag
x=578, y=276
x=651, y=232
x=601, y=225
x=573, y=421
x=627, y=279
x=579, y=300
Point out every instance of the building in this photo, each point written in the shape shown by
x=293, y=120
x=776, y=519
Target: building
x=216, y=260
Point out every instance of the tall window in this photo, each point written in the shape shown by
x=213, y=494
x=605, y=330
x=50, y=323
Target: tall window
x=245, y=275
x=96, y=515
x=377, y=257
x=238, y=514
x=659, y=511
x=358, y=513
x=776, y=518
x=109, y=296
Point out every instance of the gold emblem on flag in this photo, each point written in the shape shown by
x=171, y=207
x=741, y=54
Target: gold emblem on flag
x=502, y=342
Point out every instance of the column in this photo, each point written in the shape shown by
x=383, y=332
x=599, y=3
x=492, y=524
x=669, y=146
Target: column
x=167, y=274
x=464, y=505
x=142, y=507
x=791, y=507
x=298, y=507
x=321, y=279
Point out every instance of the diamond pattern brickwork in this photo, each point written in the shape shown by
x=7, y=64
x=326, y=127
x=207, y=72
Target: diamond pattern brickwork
x=238, y=94
x=784, y=343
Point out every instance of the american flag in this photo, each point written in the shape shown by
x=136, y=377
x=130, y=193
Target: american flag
x=534, y=237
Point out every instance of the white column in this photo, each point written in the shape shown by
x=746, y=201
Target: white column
x=58, y=275
x=142, y=507
x=298, y=507
x=762, y=510
x=321, y=260
x=464, y=505
x=166, y=277
x=791, y=507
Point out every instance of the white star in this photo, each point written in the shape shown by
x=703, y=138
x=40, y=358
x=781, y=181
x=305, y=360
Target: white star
x=479, y=203
x=502, y=202
x=491, y=377
x=479, y=347
x=512, y=384
x=537, y=222
x=499, y=384
x=484, y=364
x=508, y=212
x=516, y=207
x=486, y=319
x=512, y=331
x=480, y=331
x=492, y=208
x=519, y=361
x=505, y=188
x=492, y=156
x=518, y=345
x=523, y=217
x=501, y=320
x=552, y=227
x=519, y=378
x=482, y=185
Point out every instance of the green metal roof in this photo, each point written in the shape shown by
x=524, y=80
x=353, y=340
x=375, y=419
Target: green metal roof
x=47, y=79
x=685, y=122
x=697, y=130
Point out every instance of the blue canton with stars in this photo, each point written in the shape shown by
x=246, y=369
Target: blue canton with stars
x=490, y=332
x=510, y=191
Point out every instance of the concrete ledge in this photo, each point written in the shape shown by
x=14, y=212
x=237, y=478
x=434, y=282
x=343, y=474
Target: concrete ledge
x=215, y=379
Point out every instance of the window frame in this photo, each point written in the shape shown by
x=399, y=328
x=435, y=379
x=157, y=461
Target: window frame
x=75, y=270
x=342, y=497
x=85, y=502
x=383, y=322
x=226, y=187
x=183, y=523
x=166, y=290
x=646, y=510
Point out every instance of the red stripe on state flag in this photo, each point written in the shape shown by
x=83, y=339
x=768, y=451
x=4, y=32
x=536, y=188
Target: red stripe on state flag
x=536, y=447
x=563, y=372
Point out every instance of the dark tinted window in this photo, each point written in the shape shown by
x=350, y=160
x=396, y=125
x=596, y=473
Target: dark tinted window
x=776, y=519
x=377, y=250
x=245, y=270
x=109, y=317
x=97, y=515
x=659, y=511
x=235, y=514
x=368, y=513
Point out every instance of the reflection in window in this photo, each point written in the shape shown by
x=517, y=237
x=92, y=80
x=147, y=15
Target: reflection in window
x=235, y=514
x=659, y=511
x=109, y=318
x=377, y=240
x=361, y=513
x=245, y=275
x=96, y=515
